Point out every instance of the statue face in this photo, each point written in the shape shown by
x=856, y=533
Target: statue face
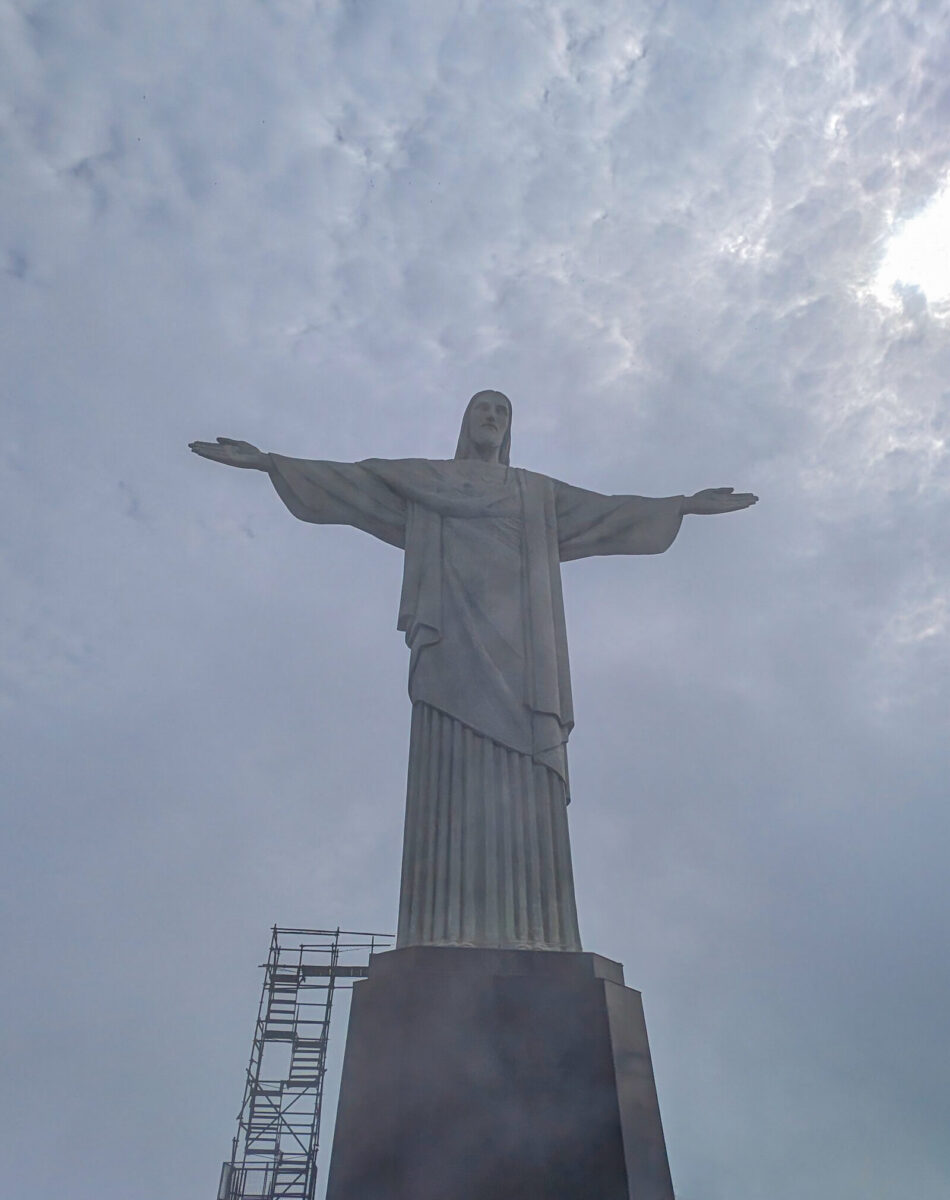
x=488, y=421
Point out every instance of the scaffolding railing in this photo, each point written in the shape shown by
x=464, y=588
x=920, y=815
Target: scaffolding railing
x=274, y=1152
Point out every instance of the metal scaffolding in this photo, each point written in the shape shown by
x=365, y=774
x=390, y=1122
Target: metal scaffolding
x=274, y=1152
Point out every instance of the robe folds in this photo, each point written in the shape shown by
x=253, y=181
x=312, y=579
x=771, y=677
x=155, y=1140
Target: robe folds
x=486, y=856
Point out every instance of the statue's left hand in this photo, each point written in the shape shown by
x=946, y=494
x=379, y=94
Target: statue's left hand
x=232, y=453
x=717, y=500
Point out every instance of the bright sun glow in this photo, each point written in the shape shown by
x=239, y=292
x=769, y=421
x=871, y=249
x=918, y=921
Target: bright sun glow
x=918, y=255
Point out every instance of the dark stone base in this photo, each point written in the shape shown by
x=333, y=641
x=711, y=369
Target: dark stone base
x=497, y=1075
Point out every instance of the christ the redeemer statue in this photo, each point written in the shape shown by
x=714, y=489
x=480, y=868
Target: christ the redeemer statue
x=486, y=855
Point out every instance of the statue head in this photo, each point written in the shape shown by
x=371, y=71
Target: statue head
x=486, y=428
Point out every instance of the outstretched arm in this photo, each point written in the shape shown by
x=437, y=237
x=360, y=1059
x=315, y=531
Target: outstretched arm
x=589, y=523
x=717, y=500
x=325, y=493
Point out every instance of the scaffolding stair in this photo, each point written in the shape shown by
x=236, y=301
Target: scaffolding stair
x=274, y=1153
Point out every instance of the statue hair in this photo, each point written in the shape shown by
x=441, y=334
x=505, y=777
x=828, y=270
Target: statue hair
x=465, y=449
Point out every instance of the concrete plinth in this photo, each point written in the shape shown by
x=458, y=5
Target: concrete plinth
x=497, y=1075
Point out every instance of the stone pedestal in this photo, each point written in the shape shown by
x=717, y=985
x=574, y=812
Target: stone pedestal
x=497, y=1075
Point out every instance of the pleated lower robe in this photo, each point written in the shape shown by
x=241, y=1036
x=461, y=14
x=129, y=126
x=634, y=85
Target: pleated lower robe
x=486, y=855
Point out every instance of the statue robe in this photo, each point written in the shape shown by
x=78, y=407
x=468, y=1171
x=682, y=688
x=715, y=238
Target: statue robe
x=486, y=854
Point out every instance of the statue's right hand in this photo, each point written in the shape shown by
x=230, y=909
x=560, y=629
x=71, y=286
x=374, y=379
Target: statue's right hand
x=232, y=453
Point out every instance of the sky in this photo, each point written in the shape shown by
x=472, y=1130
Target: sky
x=698, y=244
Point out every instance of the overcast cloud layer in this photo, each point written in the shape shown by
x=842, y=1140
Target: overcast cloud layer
x=321, y=226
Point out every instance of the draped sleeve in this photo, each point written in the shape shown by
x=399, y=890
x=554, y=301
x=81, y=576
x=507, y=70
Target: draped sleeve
x=589, y=523
x=332, y=493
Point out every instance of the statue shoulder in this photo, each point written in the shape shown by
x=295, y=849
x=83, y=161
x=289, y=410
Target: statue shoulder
x=535, y=483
